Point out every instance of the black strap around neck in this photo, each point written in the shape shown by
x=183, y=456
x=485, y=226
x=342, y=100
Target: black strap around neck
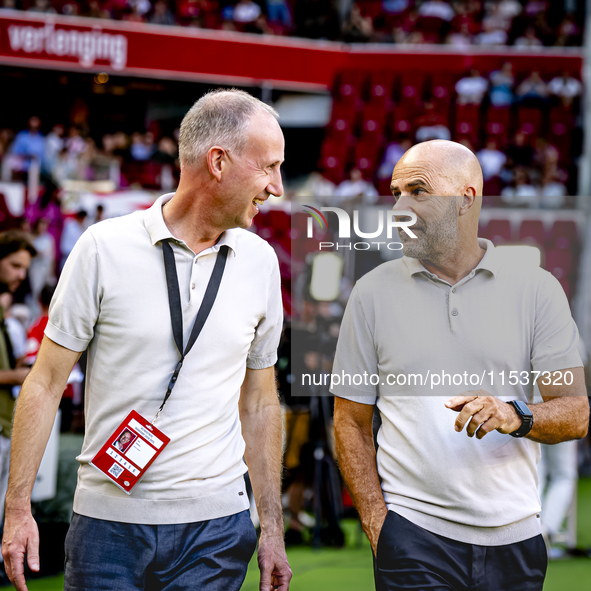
x=176, y=311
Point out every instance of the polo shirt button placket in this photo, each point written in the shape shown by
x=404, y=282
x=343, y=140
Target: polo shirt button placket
x=454, y=312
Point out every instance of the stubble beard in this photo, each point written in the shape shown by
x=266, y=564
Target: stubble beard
x=435, y=240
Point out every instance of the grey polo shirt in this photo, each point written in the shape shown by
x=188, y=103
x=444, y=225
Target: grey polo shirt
x=112, y=298
x=402, y=321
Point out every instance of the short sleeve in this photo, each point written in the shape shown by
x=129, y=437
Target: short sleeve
x=263, y=349
x=355, y=356
x=555, y=342
x=75, y=305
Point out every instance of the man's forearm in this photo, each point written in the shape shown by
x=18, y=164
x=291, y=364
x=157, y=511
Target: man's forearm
x=262, y=432
x=560, y=419
x=33, y=421
x=356, y=455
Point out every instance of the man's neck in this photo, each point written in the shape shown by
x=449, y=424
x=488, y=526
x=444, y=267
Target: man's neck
x=185, y=223
x=456, y=265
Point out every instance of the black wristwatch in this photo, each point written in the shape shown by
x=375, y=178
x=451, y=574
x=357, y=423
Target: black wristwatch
x=527, y=418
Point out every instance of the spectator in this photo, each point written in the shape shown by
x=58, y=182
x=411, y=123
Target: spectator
x=75, y=143
x=491, y=34
x=392, y=154
x=431, y=125
x=461, y=38
x=162, y=14
x=568, y=32
x=357, y=28
x=42, y=6
x=356, y=190
x=491, y=160
x=99, y=214
x=54, y=143
x=509, y=9
x=566, y=88
x=553, y=192
x=437, y=9
x=246, y=11
x=520, y=152
x=141, y=147
x=316, y=19
x=8, y=5
x=28, y=145
x=533, y=91
x=520, y=193
x=73, y=229
x=278, y=12
x=528, y=39
x=166, y=153
x=502, y=82
x=471, y=89
x=42, y=269
x=260, y=26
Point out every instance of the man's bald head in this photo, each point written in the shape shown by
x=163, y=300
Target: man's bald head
x=450, y=168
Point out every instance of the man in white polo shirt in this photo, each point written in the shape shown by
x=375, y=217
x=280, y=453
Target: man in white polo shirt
x=455, y=333
x=186, y=524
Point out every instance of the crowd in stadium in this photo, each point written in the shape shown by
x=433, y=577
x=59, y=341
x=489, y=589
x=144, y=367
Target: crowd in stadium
x=525, y=23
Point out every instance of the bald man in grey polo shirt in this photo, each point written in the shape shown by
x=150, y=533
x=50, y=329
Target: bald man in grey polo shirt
x=186, y=524
x=443, y=510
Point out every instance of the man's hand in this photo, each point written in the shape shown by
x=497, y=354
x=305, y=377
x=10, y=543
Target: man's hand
x=21, y=537
x=374, y=529
x=486, y=413
x=275, y=570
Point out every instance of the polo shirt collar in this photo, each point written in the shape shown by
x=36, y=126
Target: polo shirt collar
x=158, y=230
x=490, y=261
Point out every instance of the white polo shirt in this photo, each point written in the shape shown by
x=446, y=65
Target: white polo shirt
x=112, y=299
x=403, y=320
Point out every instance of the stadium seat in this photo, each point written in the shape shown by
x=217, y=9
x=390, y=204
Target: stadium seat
x=410, y=96
x=380, y=88
x=499, y=231
x=529, y=122
x=365, y=157
x=497, y=126
x=467, y=123
x=532, y=231
x=565, y=235
x=373, y=123
x=560, y=262
x=441, y=85
x=350, y=86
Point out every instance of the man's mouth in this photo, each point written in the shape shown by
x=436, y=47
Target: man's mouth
x=256, y=202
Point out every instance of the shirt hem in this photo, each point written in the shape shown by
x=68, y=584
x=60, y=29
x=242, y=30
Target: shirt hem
x=511, y=533
x=229, y=500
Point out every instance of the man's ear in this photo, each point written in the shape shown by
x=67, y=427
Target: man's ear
x=216, y=161
x=468, y=200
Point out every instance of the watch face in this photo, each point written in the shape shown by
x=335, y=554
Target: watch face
x=523, y=408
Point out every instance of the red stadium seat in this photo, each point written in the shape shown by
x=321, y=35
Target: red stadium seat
x=529, y=122
x=560, y=262
x=410, y=96
x=366, y=155
x=499, y=231
x=565, y=235
x=532, y=231
x=467, y=123
x=380, y=88
x=373, y=123
x=350, y=87
x=441, y=87
x=497, y=125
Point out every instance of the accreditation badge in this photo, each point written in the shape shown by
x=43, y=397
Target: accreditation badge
x=130, y=451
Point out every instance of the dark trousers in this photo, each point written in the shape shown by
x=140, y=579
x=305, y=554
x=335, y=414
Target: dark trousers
x=409, y=557
x=206, y=556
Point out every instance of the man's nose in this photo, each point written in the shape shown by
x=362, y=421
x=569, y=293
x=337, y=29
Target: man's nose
x=275, y=187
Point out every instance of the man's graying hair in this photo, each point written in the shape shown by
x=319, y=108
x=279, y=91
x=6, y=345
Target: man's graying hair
x=219, y=118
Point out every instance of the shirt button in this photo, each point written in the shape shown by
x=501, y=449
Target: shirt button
x=454, y=312
x=193, y=287
x=453, y=290
x=196, y=261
